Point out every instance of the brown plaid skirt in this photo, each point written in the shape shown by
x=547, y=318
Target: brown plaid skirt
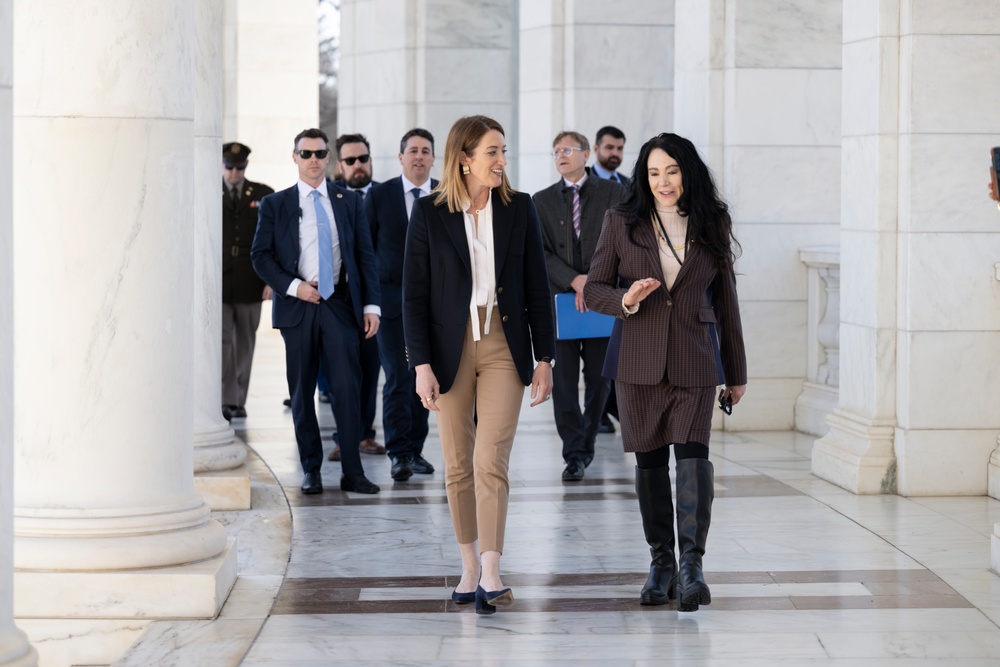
x=660, y=414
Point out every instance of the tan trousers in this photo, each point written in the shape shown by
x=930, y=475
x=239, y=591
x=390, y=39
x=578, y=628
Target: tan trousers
x=477, y=456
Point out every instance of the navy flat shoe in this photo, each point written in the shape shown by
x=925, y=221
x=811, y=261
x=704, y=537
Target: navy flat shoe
x=488, y=601
x=463, y=598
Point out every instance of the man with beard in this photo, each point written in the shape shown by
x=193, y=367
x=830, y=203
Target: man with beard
x=355, y=164
x=609, y=147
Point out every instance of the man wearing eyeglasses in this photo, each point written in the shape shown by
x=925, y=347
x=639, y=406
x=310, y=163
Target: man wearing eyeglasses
x=571, y=212
x=242, y=289
x=313, y=248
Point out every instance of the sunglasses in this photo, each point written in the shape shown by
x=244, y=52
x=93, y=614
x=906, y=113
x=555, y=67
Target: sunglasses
x=320, y=154
x=349, y=161
x=231, y=165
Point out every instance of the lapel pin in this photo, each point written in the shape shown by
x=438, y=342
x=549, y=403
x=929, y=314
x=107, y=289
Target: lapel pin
x=340, y=196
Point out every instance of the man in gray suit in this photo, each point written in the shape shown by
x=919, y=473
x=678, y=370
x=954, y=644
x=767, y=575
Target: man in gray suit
x=571, y=212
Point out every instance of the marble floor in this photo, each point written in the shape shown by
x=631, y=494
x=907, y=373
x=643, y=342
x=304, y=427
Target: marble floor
x=801, y=571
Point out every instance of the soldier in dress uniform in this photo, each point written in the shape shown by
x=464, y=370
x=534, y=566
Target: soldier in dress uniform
x=242, y=289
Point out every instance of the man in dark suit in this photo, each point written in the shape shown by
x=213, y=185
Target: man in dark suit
x=355, y=166
x=314, y=249
x=242, y=289
x=571, y=212
x=609, y=148
x=388, y=208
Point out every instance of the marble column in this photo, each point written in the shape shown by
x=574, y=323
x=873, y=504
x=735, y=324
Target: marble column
x=920, y=306
x=14, y=646
x=107, y=520
x=270, y=75
x=757, y=89
x=573, y=77
x=219, y=456
x=406, y=64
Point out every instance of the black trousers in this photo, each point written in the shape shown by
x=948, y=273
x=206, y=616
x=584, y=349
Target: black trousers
x=328, y=331
x=576, y=427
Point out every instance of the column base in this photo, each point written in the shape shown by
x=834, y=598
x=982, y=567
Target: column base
x=195, y=590
x=225, y=489
x=218, y=449
x=15, y=651
x=856, y=455
x=812, y=407
x=82, y=641
x=993, y=481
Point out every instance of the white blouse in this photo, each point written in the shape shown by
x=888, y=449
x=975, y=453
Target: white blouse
x=484, y=282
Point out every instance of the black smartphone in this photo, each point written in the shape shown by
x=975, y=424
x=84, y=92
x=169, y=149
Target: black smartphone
x=725, y=402
x=994, y=170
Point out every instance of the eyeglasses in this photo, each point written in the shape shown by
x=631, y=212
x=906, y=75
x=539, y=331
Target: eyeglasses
x=320, y=154
x=566, y=152
x=238, y=167
x=349, y=161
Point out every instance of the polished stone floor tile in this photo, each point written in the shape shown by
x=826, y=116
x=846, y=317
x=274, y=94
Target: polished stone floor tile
x=802, y=572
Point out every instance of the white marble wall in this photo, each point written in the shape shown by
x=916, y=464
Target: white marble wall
x=14, y=647
x=405, y=64
x=218, y=455
x=573, y=76
x=758, y=90
x=920, y=309
x=103, y=317
x=271, y=81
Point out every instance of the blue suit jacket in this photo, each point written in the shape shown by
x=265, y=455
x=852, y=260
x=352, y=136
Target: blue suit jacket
x=385, y=207
x=275, y=251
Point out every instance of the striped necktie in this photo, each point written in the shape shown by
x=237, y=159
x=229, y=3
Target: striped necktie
x=576, y=210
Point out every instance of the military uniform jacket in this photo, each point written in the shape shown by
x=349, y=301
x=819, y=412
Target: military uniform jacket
x=240, y=283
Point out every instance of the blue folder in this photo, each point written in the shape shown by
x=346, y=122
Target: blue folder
x=571, y=324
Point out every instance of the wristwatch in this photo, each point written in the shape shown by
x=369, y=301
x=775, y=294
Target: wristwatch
x=549, y=360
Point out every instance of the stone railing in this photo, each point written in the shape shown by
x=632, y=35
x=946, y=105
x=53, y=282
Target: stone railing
x=821, y=388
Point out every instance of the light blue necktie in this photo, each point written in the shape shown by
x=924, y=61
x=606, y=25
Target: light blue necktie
x=325, y=248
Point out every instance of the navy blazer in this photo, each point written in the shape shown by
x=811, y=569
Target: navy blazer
x=275, y=251
x=437, y=286
x=385, y=207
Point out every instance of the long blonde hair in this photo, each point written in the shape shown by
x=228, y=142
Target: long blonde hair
x=464, y=137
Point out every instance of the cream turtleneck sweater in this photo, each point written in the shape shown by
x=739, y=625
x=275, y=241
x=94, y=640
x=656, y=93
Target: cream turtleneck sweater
x=676, y=228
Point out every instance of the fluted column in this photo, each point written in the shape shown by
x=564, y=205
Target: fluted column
x=14, y=647
x=219, y=457
x=107, y=521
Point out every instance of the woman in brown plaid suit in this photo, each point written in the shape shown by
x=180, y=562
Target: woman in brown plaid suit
x=664, y=265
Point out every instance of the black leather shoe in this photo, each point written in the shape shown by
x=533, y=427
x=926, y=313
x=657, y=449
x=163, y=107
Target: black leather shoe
x=287, y=402
x=357, y=484
x=606, y=426
x=574, y=471
x=312, y=483
x=227, y=412
x=402, y=468
x=240, y=413
x=422, y=466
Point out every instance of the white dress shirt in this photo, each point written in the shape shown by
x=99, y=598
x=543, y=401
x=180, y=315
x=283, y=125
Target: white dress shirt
x=309, y=241
x=408, y=197
x=484, y=281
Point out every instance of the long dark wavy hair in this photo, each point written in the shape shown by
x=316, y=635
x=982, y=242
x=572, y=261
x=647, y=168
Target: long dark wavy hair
x=709, y=223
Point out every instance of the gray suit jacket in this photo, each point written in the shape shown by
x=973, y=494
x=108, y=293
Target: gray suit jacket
x=554, y=205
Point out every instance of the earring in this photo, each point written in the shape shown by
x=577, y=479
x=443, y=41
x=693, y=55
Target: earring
x=465, y=169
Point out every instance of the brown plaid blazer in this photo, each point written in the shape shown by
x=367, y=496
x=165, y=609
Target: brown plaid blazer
x=690, y=336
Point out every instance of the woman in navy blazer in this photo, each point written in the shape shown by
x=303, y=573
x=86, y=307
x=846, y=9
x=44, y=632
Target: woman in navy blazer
x=664, y=265
x=476, y=318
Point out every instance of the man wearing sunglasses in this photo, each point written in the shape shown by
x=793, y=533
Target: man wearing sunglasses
x=314, y=249
x=355, y=168
x=242, y=289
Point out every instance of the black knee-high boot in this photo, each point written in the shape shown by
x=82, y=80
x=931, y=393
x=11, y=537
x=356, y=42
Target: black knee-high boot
x=695, y=492
x=656, y=506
